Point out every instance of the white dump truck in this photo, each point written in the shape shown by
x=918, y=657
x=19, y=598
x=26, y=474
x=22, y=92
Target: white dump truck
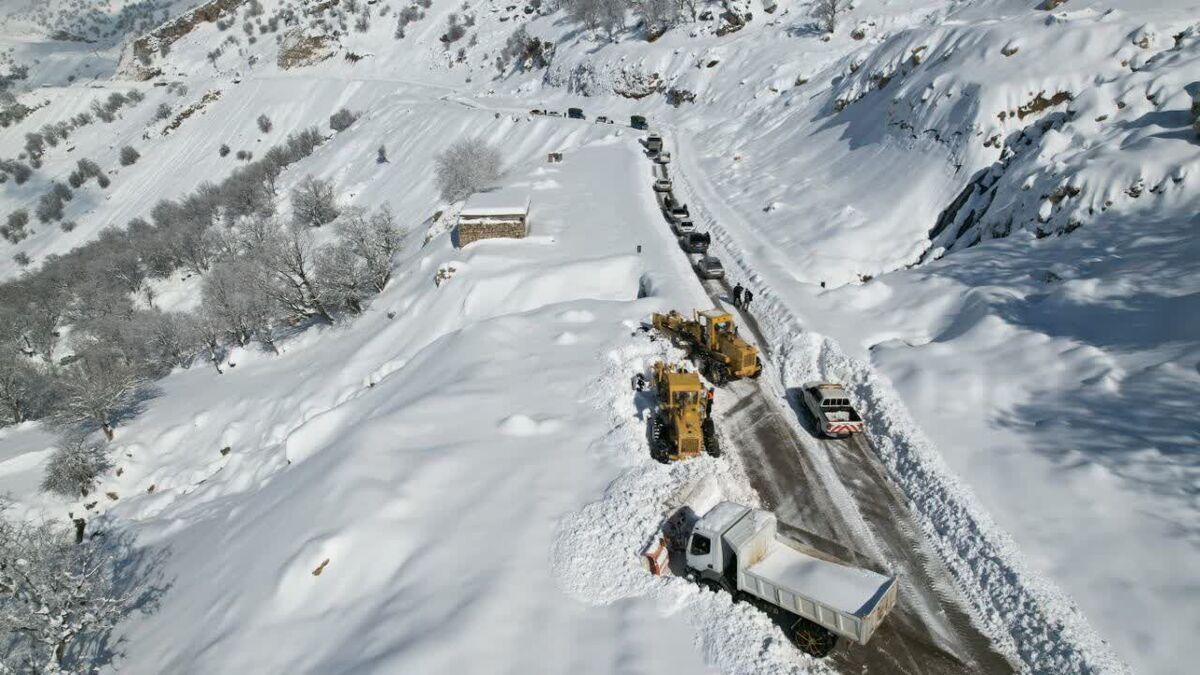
x=818, y=600
x=831, y=407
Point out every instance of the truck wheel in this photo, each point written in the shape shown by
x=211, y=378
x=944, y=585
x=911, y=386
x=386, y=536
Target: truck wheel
x=813, y=639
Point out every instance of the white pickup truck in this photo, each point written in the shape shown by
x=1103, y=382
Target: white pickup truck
x=831, y=408
x=739, y=549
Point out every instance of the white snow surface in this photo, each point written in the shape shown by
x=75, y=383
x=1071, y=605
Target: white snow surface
x=474, y=469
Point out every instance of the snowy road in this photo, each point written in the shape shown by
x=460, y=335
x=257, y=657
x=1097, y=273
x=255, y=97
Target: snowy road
x=837, y=497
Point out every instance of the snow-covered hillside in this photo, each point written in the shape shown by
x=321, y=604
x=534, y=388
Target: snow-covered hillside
x=979, y=216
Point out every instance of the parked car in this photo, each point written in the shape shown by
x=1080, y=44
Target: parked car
x=684, y=226
x=830, y=406
x=575, y=113
x=654, y=143
x=601, y=120
x=638, y=122
x=662, y=185
x=554, y=113
x=709, y=267
x=695, y=242
x=537, y=111
x=663, y=157
x=677, y=212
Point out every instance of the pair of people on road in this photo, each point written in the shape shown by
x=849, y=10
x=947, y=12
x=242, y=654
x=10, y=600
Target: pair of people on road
x=742, y=297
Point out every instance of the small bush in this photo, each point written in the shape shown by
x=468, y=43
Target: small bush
x=68, y=225
x=342, y=119
x=22, y=259
x=224, y=150
x=264, y=124
x=162, y=112
x=103, y=181
x=73, y=468
x=14, y=227
x=314, y=202
x=244, y=155
x=129, y=156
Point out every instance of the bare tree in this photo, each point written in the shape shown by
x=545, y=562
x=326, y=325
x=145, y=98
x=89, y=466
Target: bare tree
x=826, y=12
x=605, y=15
x=234, y=297
x=314, y=202
x=288, y=261
x=95, y=390
x=24, y=389
x=52, y=593
x=345, y=281
x=374, y=240
x=210, y=332
x=466, y=167
x=659, y=15
x=172, y=338
x=74, y=466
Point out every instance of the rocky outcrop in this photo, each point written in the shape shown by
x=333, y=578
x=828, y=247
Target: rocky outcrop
x=137, y=58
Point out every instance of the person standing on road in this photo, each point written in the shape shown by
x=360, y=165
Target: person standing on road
x=746, y=298
x=737, y=295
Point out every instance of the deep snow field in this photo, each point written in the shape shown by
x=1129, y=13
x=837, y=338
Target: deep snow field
x=468, y=456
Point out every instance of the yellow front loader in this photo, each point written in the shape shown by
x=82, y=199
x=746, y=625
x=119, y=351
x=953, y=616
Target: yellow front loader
x=681, y=428
x=712, y=339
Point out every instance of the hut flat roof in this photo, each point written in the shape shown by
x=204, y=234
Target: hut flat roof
x=501, y=202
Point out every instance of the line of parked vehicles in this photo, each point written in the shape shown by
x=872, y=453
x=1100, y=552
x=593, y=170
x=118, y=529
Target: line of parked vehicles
x=693, y=241
x=638, y=122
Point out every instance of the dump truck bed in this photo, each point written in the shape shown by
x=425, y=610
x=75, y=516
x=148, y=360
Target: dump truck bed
x=849, y=601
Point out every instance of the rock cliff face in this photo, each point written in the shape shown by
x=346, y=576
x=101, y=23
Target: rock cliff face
x=137, y=58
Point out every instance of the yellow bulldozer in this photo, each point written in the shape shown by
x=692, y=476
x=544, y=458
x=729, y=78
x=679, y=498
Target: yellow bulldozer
x=712, y=340
x=681, y=427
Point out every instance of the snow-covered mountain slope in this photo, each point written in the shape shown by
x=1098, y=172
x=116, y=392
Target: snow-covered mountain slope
x=988, y=207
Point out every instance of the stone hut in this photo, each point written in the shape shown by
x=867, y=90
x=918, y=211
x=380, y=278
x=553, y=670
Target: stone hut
x=497, y=213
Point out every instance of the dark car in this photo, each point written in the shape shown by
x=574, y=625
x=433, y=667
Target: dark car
x=638, y=122
x=695, y=242
x=575, y=113
x=709, y=267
